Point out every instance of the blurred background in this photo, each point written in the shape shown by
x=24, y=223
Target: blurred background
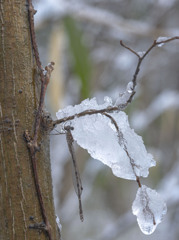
x=83, y=38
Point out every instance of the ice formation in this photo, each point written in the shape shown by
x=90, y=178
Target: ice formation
x=160, y=39
x=149, y=207
x=123, y=152
x=108, y=138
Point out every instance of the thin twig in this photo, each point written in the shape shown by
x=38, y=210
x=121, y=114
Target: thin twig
x=84, y=113
x=147, y=209
x=33, y=146
x=70, y=141
x=32, y=143
x=33, y=150
x=119, y=133
x=130, y=49
x=32, y=12
x=48, y=70
x=123, y=144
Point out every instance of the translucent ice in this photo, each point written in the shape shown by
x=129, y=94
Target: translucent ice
x=149, y=207
x=124, y=153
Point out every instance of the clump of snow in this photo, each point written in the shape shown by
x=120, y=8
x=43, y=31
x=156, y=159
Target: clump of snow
x=87, y=104
x=149, y=207
x=127, y=156
x=161, y=39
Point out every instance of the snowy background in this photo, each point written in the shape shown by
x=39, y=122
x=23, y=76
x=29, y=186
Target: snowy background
x=154, y=113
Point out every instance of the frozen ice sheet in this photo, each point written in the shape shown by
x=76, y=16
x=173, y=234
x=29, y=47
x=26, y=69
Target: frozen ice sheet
x=149, y=207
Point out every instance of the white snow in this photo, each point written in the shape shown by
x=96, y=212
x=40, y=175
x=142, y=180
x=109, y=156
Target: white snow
x=149, y=207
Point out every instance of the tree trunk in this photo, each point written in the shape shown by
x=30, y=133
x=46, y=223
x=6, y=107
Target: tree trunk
x=18, y=95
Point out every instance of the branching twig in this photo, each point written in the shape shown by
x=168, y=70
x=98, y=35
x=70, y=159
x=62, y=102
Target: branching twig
x=140, y=60
x=32, y=142
x=48, y=70
x=105, y=111
x=45, y=77
x=134, y=81
x=33, y=146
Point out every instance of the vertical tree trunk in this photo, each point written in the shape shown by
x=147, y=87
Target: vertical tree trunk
x=18, y=197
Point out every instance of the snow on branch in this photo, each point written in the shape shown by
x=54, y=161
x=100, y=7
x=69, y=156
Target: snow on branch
x=104, y=131
x=121, y=149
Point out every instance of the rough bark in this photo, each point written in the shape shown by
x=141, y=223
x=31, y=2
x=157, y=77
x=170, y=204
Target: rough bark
x=18, y=104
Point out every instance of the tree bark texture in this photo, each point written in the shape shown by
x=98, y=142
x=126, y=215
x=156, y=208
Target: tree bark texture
x=18, y=104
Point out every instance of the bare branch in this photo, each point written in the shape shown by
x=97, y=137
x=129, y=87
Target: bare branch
x=70, y=140
x=140, y=60
x=32, y=143
x=33, y=150
x=33, y=146
x=48, y=70
x=130, y=49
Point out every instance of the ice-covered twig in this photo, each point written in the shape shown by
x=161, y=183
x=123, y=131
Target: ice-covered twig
x=128, y=157
x=84, y=113
x=149, y=207
x=119, y=133
x=123, y=144
x=109, y=138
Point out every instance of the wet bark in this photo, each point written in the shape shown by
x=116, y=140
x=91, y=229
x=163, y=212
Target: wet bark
x=18, y=104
